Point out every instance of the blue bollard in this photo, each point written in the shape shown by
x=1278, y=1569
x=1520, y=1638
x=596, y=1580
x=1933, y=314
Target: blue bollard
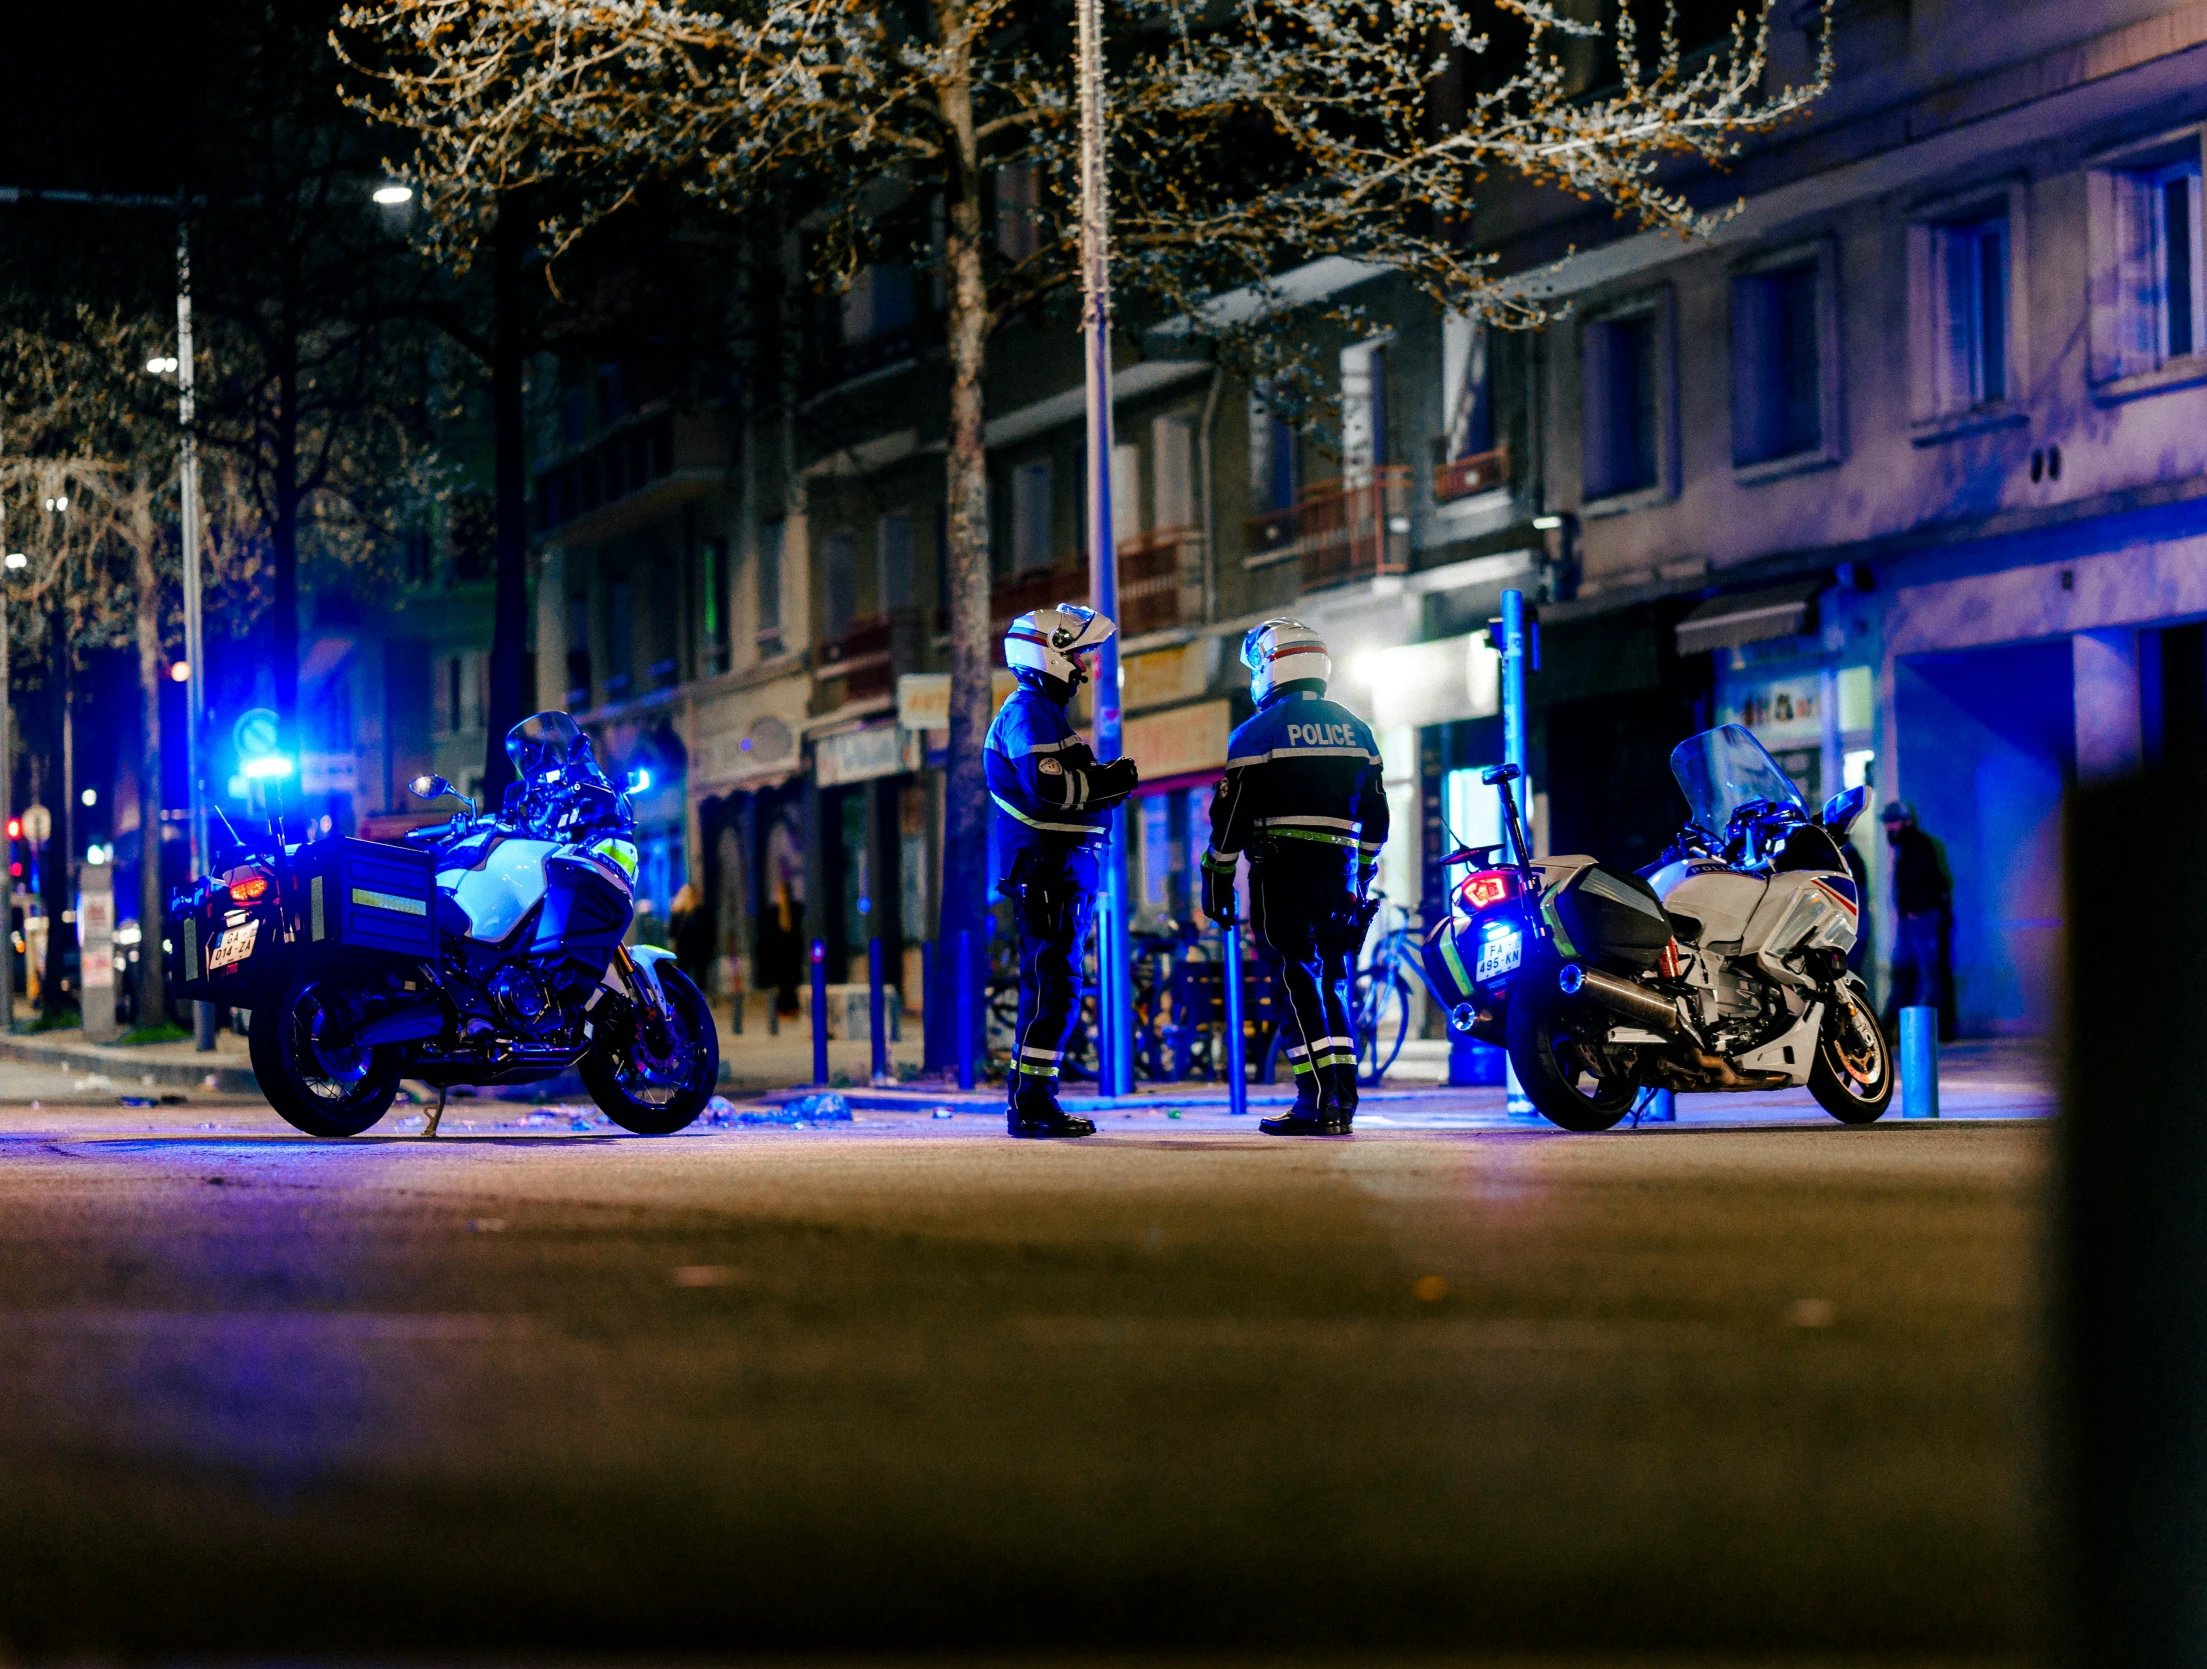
x=876, y=1012
x=1237, y=1092
x=819, y=1011
x=962, y=979
x=1919, y=1063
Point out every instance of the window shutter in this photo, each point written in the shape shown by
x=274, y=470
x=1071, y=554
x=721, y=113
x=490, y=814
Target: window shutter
x=1754, y=368
x=1597, y=388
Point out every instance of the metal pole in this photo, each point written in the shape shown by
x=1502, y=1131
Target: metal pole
x=1115, y=1044
x=961, y=981
x=197, y=855
x=876, y=1016
x=7, y=846
x=1237, y=1091
x=1919, y=1062
x=1513, y=753
x=819, y=1011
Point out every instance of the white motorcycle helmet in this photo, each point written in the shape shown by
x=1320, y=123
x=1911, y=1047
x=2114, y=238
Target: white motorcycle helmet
x=1284, y=652
x=1045, y=640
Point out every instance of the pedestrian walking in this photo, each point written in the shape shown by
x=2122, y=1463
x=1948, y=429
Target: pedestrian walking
x=690, y=932
x=1053, y=801
x=1922, y=967
x=1304, y=795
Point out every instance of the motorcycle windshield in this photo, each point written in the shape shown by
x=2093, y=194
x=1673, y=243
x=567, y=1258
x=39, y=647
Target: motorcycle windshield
x=543, y=742
x=1723, y=769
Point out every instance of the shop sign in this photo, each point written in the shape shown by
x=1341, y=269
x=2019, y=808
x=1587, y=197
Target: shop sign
x=923, y=701
x=861, y=755
x=1417, y=684
x=1785, y=710
x=727, y=755
x=329, y=773
x=1163, y=675
x=1179, y=741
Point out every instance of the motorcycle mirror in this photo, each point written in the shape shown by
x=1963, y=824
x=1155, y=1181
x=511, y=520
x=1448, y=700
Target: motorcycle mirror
x=430, y=787
x=1500, y=773
x=1479, y=857
x=1843, y=808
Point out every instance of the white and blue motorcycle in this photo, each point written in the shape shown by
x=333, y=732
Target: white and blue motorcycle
x=479, y=951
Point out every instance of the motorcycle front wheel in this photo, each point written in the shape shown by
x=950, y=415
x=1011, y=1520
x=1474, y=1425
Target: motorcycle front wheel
x=311, y=1071
x=659, y=1078
x=1852, y=1078
x=1555, y=1073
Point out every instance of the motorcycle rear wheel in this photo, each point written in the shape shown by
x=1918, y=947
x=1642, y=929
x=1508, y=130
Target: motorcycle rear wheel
x=1555, y=1076
x=1852, y=1076
x=652, y=1095
x=315, y=1083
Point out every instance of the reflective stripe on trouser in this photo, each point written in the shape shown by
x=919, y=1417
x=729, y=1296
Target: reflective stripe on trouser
x=1053, y=934
x=1303, y=913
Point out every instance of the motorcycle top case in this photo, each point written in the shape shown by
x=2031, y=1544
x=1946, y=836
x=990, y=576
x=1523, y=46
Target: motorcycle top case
x=363, y=902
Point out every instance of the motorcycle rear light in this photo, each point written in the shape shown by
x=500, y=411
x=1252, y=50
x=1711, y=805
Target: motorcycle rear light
x=1487, y=887
x=248, y=887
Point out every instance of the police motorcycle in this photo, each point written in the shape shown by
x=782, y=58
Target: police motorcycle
x=1722, y=968
x=479, y=951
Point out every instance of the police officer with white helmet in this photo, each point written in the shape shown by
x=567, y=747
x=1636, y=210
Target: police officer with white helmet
x=1053, y=801
x=1304, y=796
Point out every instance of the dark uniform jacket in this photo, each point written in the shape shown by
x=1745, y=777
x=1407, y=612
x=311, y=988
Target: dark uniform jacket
x=1303, y=770
x=1052, y=798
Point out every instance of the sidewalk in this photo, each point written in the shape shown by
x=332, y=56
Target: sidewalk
x=172, y=1065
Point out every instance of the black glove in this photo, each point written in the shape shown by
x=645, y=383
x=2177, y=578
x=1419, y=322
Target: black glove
x=1113, y=782
x=1219, y=902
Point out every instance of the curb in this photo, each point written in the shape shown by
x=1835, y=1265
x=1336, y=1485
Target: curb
x=128, y=1066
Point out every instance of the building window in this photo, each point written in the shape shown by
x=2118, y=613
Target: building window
x=1961, y=265
x=838, y=584
x=1467, y=395
x=893, y=547
x=1275, y=461
x=620, y=638
x=578, y=651
x=1017, y=222
x=1172, y=473
x=1363, y=410
x=878, y=303
x=1031, y=517
x=2158, y=265
x=1623, y=367
x=1780, y=381
x=713, y=617
x=767, y=579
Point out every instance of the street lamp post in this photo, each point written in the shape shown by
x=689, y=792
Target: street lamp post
x=1115, y=1044
x=195, y=681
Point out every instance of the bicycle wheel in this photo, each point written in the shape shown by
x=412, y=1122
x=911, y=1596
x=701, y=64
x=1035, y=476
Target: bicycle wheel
x=1382, y=1010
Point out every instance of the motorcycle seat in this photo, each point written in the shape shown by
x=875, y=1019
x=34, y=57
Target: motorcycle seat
x=1683, y=926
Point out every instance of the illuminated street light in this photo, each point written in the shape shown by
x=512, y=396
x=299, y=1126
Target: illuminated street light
x=180, y=672
x=58, y=505
x=391, y=196
x=91, y=796
x=16, y=559
x=162, y=365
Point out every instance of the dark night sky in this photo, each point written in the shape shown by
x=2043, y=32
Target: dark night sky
x=98, y=91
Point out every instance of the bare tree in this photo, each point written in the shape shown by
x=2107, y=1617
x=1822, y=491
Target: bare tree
x=1247, y=137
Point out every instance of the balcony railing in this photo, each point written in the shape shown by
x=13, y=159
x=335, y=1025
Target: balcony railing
x=1016, y=594
x=1482, y=472
x=861, y=658
x=1344, y=530
x=1154, y=573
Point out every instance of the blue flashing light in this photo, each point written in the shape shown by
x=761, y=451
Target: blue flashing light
x=267, y=765
x=639, y=780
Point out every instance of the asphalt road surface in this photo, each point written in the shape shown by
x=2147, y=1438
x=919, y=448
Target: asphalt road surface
x=908, y=1386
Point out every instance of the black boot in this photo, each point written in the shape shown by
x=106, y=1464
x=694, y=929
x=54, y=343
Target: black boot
x=1318, y=1109
x=1337, y=1095
x=1035, y=1114
x=1311, y=1115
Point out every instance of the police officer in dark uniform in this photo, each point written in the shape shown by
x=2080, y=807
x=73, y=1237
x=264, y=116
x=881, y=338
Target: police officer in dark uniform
x=1304, y=795
x=1052, y=801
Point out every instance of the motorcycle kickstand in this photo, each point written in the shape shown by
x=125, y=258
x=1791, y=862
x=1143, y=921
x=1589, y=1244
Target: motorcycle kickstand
x=430, y=1134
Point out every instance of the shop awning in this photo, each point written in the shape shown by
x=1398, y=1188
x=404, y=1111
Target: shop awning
x=1750, y=617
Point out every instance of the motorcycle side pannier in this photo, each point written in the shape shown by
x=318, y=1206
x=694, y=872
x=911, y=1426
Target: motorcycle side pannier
x=1612, y=917
x=363, y=904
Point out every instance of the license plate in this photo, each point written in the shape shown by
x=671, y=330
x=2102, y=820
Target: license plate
x=234, y=946
x=1499, y=954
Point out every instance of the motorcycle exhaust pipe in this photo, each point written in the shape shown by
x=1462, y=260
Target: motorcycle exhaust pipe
x=1620, y=996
